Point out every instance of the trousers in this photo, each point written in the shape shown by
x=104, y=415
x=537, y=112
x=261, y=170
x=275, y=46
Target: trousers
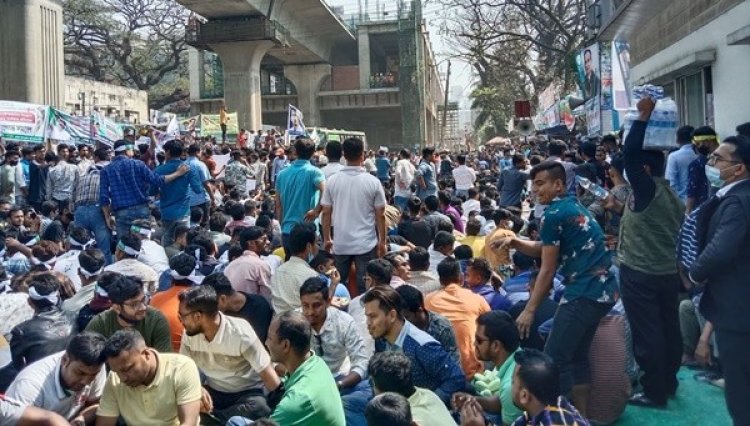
x=651, y=303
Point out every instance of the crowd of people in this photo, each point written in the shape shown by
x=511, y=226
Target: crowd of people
x=331, y=286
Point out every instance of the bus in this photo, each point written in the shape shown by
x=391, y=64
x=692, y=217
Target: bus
x=322, y=136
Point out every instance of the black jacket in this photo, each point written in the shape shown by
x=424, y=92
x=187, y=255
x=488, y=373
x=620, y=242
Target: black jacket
x=723, y=262
x=46, y=333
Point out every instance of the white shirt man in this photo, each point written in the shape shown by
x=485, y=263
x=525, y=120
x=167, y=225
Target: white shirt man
x=464, y=176
x=404, y=176
x=40, y=385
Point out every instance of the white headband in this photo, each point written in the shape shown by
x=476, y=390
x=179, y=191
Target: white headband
x=47, y=263
x=88, y=274
x=52, y=298
x=77, y=243
x=101, y=291
x=141, y=230
x=125, y=148
x=193, y=277
x=127, y=250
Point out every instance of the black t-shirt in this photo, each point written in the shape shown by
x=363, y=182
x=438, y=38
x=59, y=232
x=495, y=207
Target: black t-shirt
x=418, y=232
x=544, y=312
x=258, y=312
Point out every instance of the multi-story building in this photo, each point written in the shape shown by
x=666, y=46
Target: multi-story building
x=450, y=134
x=698, y=50
x=388, y=88
x=122, y=104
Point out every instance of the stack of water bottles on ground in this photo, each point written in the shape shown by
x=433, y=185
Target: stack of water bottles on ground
x=660, y=133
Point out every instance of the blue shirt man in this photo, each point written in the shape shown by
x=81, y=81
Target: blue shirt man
x=384, y=167
x=174, y=198
x=200, y=169
x=678, y=163
x=299, y=187
x=425, y=175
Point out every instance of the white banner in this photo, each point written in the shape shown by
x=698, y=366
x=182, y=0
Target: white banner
x=295, y=124
x=23, y=122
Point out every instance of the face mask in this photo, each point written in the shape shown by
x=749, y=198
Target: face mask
x=713, y=174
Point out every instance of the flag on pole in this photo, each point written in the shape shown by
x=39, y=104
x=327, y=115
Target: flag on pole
x=295, y=125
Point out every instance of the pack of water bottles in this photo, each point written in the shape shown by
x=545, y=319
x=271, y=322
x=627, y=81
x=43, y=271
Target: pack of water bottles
x=662, y=127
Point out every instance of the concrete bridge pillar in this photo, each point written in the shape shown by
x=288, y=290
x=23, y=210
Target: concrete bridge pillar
x=242, y=93
x=307, y=79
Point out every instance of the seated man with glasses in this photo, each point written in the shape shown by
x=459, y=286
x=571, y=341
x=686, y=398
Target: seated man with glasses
x=336, y=338
x=232, y=359
x=130, y=310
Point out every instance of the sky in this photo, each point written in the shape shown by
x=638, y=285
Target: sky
x=461, y=74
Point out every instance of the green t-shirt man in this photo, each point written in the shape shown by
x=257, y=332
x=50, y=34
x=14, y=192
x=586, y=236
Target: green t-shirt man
x=154, y=328
x=311, y=397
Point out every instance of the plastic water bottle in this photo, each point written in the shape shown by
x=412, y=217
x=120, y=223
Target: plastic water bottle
x=593, y=188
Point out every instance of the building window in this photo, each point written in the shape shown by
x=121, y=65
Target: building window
x=691, y=98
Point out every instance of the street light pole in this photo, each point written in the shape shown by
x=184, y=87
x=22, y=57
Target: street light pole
x=445, y=106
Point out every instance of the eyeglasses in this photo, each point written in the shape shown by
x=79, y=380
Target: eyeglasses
x=319, y=345
x=181, y=316
x=135, y=305
x=713, y=159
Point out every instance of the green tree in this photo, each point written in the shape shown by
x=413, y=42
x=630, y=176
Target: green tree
x=134, y=43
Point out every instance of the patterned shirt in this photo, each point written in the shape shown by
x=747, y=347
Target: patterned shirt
x=562, y=414
x=441, y=330
x=124, y=183
x=697, y=185
x=87, y=190
x=432, y=367
x=584, y=261
x=61, y=181
x=236, y=175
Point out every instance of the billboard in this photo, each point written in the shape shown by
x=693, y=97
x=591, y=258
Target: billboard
x=589, y=71
x=23, y=122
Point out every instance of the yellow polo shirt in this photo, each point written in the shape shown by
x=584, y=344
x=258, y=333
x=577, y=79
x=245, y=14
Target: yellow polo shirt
x=176, y=383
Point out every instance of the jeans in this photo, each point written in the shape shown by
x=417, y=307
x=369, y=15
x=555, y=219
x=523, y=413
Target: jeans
x=735, y=363
x=249, y=404
x=125, y=217
x=344, y=263
x=169, y=227
x=355, y=400
x=575, y=324
x=91, y=217
x=401, y=202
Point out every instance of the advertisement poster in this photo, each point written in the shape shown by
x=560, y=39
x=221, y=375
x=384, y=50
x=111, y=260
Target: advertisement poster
x=210, y=125
x=621, y=87
x=605, y=72
x=566, y=115
x=589, y=71
x=22, y=122
x=64, y=127
x=295, y=123
x=105, y=130
x=593, y=116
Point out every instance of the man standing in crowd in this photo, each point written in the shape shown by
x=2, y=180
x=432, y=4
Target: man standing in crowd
x=146, y=386
x=298, y=187
x=333, y=153
x=123, y=187
x=678, y=162
x=572, y=240
x=61, y=180
x=512, y=183
x=88, y=212
x=354, y=203
x=203, y=199
x=464, y=176
x=649, y=281
x=174, y=197
x=403, y=178
x=425, y=175
x=722, y=266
